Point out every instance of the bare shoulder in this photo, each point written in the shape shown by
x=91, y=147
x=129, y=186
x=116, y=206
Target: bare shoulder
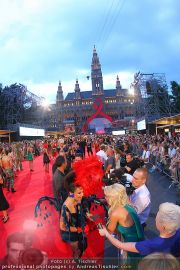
x=119, y=212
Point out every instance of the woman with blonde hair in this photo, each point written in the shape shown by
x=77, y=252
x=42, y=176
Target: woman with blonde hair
x=159, y=261
x=167, y=223
x=122, y=216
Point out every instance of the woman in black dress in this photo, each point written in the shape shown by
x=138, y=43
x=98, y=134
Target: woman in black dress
x=82, y=181
x=73, y=219
x=4, y=205
x=46, y=160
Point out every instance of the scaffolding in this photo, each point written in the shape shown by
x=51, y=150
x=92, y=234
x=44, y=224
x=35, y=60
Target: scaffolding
x=15, y=104
x=151, y=96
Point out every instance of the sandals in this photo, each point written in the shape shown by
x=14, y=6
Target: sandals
x=5, y=219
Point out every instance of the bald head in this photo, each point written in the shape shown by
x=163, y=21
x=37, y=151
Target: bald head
x=140, y=177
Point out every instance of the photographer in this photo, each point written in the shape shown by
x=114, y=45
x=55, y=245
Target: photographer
x=110, y=163
x=15, y=245
x=31, y=257
x=131, y=164
x=119, y=176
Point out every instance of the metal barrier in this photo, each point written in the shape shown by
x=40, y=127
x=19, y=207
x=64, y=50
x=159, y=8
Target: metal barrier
x=167, y=167
x=164, y=165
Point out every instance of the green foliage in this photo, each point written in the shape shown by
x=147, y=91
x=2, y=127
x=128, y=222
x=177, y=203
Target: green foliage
x=175, y=88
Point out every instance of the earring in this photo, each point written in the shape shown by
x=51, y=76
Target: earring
x=71, y=195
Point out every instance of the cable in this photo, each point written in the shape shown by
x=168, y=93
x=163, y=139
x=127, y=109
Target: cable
x=106, y=18
x=112, y=18
x=113, y=21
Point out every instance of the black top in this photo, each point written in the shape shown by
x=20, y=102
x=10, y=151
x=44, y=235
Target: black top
x=58, y=183
x=133, y=165
x=4, y=205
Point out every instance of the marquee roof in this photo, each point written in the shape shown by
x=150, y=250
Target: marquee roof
x=4, y=132
x=172, y=120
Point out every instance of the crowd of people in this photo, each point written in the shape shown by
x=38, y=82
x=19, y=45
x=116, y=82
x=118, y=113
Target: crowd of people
x=111, y=159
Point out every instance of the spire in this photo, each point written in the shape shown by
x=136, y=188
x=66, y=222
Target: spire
x=77, y=90
x=60, y=86
x=118, y=84
x=59, y=96
x=94, y=50
x=95, y=60
x=96, y=75
x=118, y=87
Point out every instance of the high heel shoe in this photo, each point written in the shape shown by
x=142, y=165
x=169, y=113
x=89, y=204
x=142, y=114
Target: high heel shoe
x=5, y=219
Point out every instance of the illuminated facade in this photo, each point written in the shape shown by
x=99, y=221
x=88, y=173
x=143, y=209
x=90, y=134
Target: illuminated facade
x=77, y=107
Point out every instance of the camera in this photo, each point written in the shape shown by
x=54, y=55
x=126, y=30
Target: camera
x=128, y=185
x=118, y=176
x=31, y=256
x=140, y=163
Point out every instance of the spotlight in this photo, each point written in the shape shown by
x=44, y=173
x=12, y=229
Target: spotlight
x=45, y=103
x=131, y=90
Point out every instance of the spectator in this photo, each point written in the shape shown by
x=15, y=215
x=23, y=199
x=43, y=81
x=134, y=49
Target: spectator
x=167, y=223
x=117, y=157
x=110, y=163
x=102, y=154
x=30, y=157
x=46, y=160
x=7, y=166
x=55, y=165
x=146, y=153
x=4, y=205
x=171, y=151
x=89, y=147
x=131, y=164
x=141, y=198
x=159, y=261
x=58, y=178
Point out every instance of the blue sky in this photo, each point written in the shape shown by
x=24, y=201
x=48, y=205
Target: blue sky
x=44, y=41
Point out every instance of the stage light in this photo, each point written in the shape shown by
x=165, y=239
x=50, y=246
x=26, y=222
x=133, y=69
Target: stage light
x=131, y=90
x=45, y=103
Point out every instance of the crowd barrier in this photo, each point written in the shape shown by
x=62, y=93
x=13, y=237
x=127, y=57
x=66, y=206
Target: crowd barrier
x=164, y=165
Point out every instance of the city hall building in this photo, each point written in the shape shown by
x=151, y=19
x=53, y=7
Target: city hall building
x=98, y=110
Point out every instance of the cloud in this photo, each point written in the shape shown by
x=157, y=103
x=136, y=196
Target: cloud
x=49, y=90
x=42, y=42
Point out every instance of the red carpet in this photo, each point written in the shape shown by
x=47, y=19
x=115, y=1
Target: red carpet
x=30, y=187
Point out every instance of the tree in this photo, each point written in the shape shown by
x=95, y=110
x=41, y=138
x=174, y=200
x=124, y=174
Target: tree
x=175, y=88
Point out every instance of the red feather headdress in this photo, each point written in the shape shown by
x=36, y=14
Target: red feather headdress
x=89, y=174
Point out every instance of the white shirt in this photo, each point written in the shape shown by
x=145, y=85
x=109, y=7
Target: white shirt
x=141, y=200
x=171, y=152
x=102, y=155
x=146, y=155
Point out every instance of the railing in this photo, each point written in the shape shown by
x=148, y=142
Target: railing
x=164, y=164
